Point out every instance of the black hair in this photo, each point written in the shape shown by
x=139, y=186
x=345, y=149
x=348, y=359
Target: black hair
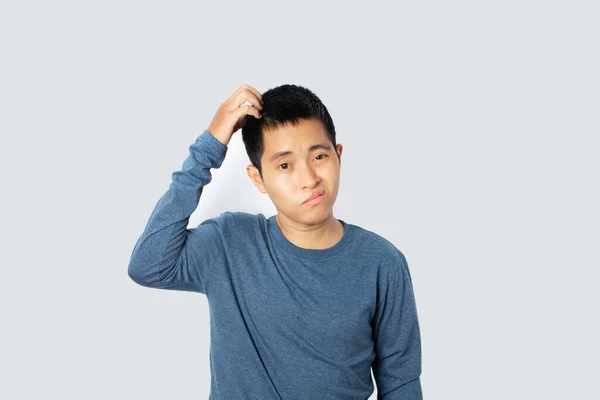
x=282, y=105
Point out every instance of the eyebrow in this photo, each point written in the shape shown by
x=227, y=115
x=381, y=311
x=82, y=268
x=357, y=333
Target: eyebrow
x=280, y=154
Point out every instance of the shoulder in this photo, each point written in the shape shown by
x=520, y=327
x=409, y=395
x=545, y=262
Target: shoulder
x=236, y=222
x=380, y=250
x=241, y=217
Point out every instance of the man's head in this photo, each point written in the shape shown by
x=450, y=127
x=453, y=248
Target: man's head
x=295, y=121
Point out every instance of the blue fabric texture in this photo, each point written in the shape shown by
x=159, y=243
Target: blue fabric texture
x=285, y=322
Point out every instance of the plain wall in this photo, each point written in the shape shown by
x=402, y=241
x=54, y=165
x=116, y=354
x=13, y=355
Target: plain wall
x=470, y=133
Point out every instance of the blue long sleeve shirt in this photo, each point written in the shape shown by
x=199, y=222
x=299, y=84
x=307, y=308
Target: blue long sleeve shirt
x=285, y=322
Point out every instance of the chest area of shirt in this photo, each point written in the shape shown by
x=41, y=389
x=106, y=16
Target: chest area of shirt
x=329, y=306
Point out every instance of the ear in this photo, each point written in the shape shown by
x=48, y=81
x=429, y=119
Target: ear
x=339, y=149
x=254, y=176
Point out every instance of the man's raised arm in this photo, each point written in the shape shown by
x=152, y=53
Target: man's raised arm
x=161, y=257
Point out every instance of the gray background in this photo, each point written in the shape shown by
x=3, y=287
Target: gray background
x=470, y=133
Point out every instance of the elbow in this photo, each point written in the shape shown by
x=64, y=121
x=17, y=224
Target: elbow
x=408, y=390
x=138, y=275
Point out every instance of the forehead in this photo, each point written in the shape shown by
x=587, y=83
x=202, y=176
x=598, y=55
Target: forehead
x=295, y=138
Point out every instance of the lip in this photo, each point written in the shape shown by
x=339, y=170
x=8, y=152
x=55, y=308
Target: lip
x=317, y=196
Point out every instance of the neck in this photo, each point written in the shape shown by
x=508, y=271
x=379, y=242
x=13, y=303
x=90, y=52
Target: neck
x=318, y=236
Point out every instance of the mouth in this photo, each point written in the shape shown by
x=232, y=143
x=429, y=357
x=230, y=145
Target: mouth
x=316, y=198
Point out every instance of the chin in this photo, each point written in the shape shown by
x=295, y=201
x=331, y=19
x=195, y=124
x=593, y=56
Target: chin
x=308, y=216
x=316, y=216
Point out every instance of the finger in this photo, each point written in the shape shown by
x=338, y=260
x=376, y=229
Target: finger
x=249, y=96
x=253, y=90
x=248, y=110
x=238, y=97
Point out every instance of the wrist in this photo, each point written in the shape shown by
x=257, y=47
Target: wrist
x=219, y=138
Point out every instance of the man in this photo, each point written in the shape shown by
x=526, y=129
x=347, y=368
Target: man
x=302, y=304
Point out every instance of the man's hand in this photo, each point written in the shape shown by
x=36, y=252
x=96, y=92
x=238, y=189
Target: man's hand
x=230, y=116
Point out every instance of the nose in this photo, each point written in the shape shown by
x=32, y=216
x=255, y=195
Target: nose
x=307, y=176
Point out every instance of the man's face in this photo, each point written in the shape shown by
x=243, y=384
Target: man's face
x=299, y=161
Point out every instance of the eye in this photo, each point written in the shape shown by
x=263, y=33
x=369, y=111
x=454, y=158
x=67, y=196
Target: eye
x=283, y=164
x=324, y=155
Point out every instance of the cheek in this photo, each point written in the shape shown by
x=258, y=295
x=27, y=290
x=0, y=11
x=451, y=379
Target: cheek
x=332, y=175
x=281, y=186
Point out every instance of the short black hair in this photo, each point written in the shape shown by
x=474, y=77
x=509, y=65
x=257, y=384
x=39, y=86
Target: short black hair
x=281, y=105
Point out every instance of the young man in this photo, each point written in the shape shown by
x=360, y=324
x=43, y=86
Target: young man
x=302, y=304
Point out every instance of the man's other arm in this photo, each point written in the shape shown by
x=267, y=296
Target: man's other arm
x=397, y=364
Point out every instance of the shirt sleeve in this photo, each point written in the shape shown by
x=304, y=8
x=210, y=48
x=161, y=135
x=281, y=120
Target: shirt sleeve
x=396, y=334
x=161, y=257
